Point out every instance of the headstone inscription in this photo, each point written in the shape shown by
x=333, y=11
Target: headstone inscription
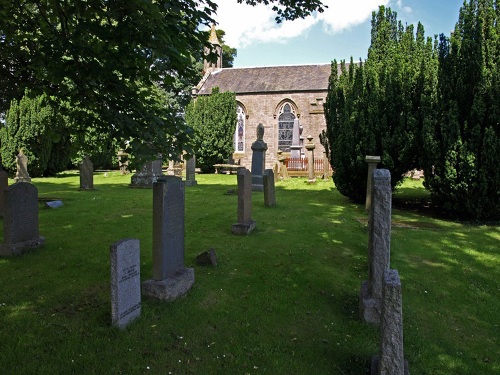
x=379, y=246
x=148, y=174
x=259, y=148
x=171, y=279
x=4, y=184
x=269, y=188
x=391, y=357
x=22, y=168
x=125, y=281
x=191, y=172
x=245, y=223
x=20, y=224
x=86, y=174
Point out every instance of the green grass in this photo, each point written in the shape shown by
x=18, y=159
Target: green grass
x=283, y=300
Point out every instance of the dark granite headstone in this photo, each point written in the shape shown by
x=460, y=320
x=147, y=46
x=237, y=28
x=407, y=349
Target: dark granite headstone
x=259, y=148
x=170, y=278
x=245, y=223
x=20, y=219
x=379, y=246
x=269, y=188
x=86, y=174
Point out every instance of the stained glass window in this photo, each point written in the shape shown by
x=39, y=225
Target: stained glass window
x=285, y=127
x=239, y=134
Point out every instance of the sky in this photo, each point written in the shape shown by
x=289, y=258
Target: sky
x=341, y=31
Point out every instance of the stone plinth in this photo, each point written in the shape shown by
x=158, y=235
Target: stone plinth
x=170, y=288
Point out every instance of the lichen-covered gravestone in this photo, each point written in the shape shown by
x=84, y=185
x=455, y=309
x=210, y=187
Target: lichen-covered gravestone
x=245, y=223
x=86, y=174
x=20, y=223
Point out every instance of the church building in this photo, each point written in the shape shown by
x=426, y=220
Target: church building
x=277, y=97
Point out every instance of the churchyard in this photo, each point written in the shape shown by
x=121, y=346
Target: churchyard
x=283, y=299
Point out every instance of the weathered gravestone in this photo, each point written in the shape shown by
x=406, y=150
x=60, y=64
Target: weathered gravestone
x=207, y=258
x=245, y=223
x=379, y=246
x=269, y=188
x=22, y=168
x=125, y=281
x=86, y=174
x=191, y=172
x=147, y=175
x=20, y=222
x=259, y=148
x=391, y=357
x=4, y=184
x=171, y=279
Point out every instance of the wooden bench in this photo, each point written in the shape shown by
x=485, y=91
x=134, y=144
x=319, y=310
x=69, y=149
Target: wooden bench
x=227, y=168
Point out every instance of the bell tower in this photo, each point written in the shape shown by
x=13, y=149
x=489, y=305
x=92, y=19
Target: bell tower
x=210, y=66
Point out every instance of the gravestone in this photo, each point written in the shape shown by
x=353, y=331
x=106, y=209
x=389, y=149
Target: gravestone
x=310, y=160
x=148, y=174
x=296, y=148
x=245, y=223
x=171, y=279
x=125, y=282
x=379, y=246
x=22, y=168
x=20, y=222
x=86, y=174
x=391, y=356
x=4, y=184
x=191, y=172
x=123, y=162
x=259, y=148
x=372, y=164
x=207, y=258
x=269, y=188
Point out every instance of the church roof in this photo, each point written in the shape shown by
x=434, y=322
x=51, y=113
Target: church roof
x=290, y=78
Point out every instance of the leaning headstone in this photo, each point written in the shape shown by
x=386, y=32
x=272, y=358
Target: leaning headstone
x=147, y=175
x=259, y=148
x=269, y=188
x=4, y=184
x=245, y=223
x=191, y=172
x=372, y=164
x=86, y=174
x=207, y=258
x=22, y=168
x=20, y=222
x=379, y=246
x=125, y=281
x=391, y=357
x=171, y=279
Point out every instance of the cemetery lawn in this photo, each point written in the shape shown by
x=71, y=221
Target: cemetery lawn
x=283, y=300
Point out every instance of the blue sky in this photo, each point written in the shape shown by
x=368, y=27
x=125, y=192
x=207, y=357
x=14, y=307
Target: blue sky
x=342, y=31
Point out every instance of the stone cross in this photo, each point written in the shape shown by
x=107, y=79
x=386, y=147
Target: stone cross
x=4, y=184
x=86, y=174
x=171, y=279
x=22, y=168
x=379, y=246
x=372, y=164
x=20, y=222
x=259, y=148
x=391, y=357
x=269, y=188
x=191, y=172
x=245, y=223
x=310, y=160
x=125, y=281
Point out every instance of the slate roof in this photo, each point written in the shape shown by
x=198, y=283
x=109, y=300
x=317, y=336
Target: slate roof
x=292, y=78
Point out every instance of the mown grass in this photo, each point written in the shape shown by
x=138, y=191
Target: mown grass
x=283, y=300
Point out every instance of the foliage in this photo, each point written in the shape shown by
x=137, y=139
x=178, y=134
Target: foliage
x=461, y=156
x=213, y=119
x=33, y=126
x=378, y=107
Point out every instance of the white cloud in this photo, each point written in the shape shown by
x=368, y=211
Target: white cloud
x=245, y=24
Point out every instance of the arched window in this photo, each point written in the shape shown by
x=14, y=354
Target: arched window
x=285, y=127
x=239, y=134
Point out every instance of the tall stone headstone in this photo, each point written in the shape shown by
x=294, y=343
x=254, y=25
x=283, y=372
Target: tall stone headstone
x=259, y=148
x=148, y=174
x=245, y=223
x=22, y=168
x=125, y=281
x=171, y=279
x=191, y=172
x=4, y=184
x=391, y=356
x=20, y=222
x=372, y=164
x=310, y=160
x=379, y=246
x=295, y=148
x=269, y=188
x=86, y=174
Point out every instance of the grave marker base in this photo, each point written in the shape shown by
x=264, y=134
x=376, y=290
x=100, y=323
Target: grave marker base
x=374, y=366
x=243, y=228
x=19, y=248
x=190, y=182
x=170, y=288
x=369, y=308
